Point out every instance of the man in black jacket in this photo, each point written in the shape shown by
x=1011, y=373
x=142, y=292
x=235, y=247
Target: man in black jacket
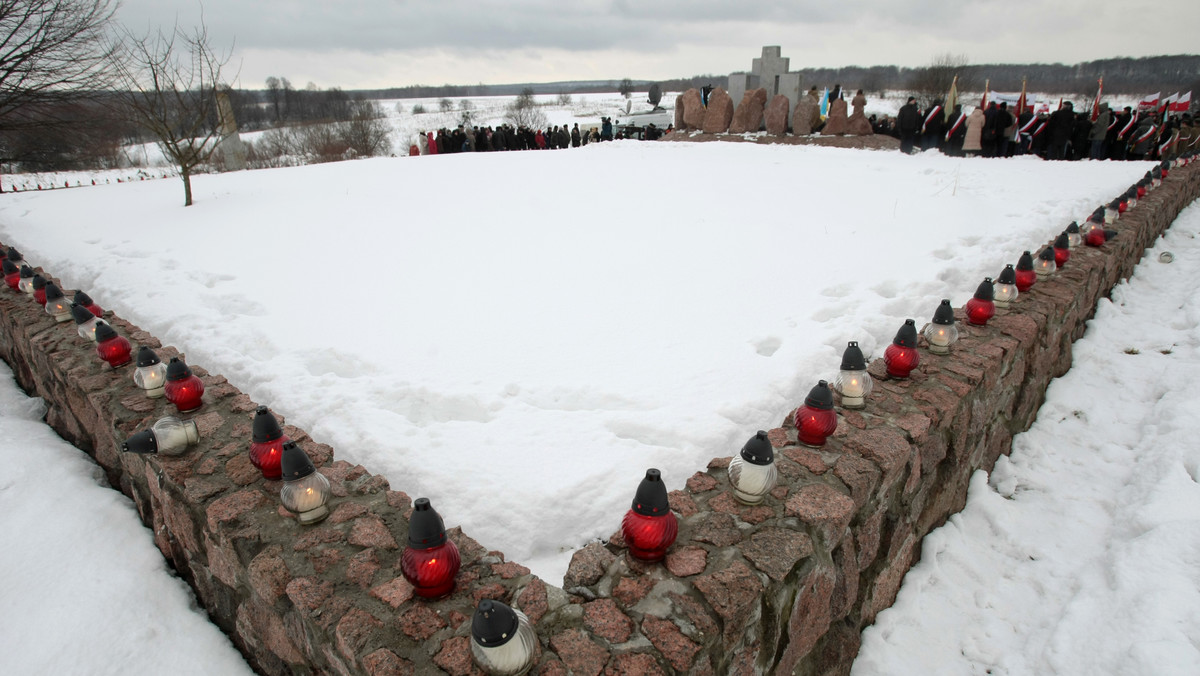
x=908, y=122
x=1059, y=128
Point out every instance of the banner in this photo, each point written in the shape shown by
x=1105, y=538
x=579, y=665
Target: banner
x=1182, y=104
x=1148, y=104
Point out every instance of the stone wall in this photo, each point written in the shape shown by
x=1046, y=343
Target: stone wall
x=782, y=587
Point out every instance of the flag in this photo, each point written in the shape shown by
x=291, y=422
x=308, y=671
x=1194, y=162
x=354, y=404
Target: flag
x=1096, y=103
x=1166, y=102
x=825, y=103
x=951, y=99
x=986, y=84
x=1060, y=99
x=1181, y=104
x=1017, y=130
x=1149, y=103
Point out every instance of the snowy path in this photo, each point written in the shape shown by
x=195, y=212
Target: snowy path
x=1081, y=553
x=85, y=591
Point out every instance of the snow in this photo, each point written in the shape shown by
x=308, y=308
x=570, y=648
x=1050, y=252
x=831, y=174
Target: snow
x=85, y=589
x=1080, y=553
x=518, y=336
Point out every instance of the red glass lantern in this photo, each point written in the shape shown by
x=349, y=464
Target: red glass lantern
x=266, y=443
x=901, y=357
x=816, y=419
x=1094, y=233
x=12, y=275
x=182, y=388
x=1062, y=250
x=112, y=348
x=1026, y=275
x=86, y=301
x=650, y=527
x=39, y=290
x=430, y=561
x=1141, y=191
x=1122, y=205
x=981, y=307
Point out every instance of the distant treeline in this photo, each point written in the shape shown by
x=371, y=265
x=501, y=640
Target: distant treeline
x=1124, y=75
x=568, y=87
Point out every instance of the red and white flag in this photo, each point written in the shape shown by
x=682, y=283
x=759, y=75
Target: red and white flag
x=1096, y=103
x=1149, y=103
x=986, y=83
x=1181, y=104
x=1166, y=102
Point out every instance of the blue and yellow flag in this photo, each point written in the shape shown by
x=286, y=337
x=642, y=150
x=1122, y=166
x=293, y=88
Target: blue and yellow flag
x=825, y=103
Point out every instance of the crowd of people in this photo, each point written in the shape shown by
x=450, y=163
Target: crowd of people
x=508, y=137
x=995, y=131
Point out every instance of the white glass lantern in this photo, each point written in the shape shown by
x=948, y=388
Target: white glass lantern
x=502, y=640
x=752, y=472
x=305, y=490
x=942, y=332
x=151, y=373
x=57, y=305
x=85, y=321
x=168, y=436
x=1045, y=266
x=853, y=382
x=1005, y=290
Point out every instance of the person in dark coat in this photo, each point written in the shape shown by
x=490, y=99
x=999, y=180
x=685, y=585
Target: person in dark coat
x=576, y=137
x=956, y=132
x=1118, y=134
x=1004, y=123
x=991, y=133
x=1079, y=136
x=1058, y=129
x=908, y=123
x=934, y=128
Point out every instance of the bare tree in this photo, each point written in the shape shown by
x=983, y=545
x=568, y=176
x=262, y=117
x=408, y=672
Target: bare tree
x=564, y=99
x=524, y=111
x=169, y=83
x=932, y=82
x=626, y=87
x=53, y=55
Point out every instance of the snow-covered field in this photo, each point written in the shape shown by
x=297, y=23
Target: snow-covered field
x=518, y=336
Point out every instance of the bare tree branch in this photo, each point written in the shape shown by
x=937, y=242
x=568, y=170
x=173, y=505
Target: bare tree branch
x=169, y=84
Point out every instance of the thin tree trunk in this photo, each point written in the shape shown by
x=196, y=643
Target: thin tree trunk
x=187, y=188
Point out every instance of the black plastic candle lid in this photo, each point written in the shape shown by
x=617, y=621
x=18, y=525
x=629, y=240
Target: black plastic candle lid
x=147, y=357
x=944, y=314
x=1073, y=228
x=425, y=527
x=81, y=314
x=651, y=496
x=53, y=292
x=141, y=442
x=494, y=624
x=852, y=358
x=757, y=450
x=295, y=463
x=1007, y=275
x=820, y=397
x=178, y=370
x=82, y=298
x=907, y=335
x=985, y=291
x=104, y=332
x=1047, y=254
x=266, y=427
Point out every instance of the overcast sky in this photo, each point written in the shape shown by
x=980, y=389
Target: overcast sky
x=357, y=44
